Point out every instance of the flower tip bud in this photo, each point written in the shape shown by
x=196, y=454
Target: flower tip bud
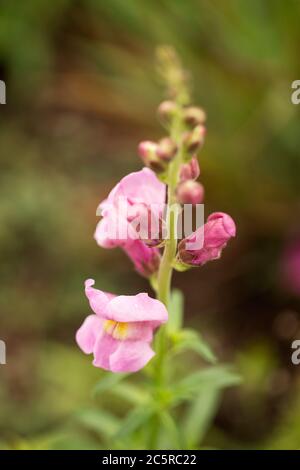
x=194, y=116
x=166, y=111
x=190, y=192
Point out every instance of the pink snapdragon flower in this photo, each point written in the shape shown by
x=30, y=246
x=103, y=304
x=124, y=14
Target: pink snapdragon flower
x=207, y=243
x=120, y=332
x=132, y=199
x=133, y=196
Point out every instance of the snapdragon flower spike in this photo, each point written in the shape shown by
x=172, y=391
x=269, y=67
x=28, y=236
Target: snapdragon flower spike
x=134, y=196
x=190, y=170
x=120, y=332
x=207, y=243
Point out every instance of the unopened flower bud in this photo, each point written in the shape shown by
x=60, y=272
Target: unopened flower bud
x=190, y=170
x=148, y=153
x=193, y=116
x=193, y=141
x=166, y=149
x=147, y=148
x=208, y=241
x=190, y=192
x=166, y=112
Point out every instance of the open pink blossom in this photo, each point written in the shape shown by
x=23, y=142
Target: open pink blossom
x=207, y=242
x=131, y=201
x=133, y=196
x=120, y=332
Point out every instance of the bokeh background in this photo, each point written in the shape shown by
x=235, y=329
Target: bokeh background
x=82, y=91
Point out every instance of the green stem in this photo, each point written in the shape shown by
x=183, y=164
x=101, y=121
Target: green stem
x=166, y=269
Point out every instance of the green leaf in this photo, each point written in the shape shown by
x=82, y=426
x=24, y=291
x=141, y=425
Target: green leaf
x=176, y=311
x=199, y=415
x=108, y=382
x=173, y=434
x=131, y=393
x=134, y=420
x=216, y=377
x=100, y=421
x=192, y=340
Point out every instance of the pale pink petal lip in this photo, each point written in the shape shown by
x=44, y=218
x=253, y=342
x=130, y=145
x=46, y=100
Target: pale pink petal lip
x=113, y=230
x=101, y=235
x=140, y=331
x=105, y=345
x=121, y=356
x=87, y=334
x=134, y=308
x=130, y=356
x=98, y=300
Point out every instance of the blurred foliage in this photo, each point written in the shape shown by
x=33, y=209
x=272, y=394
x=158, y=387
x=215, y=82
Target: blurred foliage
x=81, y=93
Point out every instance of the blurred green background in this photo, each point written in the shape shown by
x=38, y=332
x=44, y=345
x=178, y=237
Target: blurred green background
x=81, y=93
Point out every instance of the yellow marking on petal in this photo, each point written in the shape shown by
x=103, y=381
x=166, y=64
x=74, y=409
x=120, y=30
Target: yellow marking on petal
x=118, y=330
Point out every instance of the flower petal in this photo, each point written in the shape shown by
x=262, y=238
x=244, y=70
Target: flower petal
x=87, y=334
x=113, y=230
x=146, y=259
x=105, y=345
x=136, y=308
x=140, y=186
x=98, y=299
x=130, y=356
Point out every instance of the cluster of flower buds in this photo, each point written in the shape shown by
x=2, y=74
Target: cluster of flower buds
x=157, y=155
x=190, y=191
